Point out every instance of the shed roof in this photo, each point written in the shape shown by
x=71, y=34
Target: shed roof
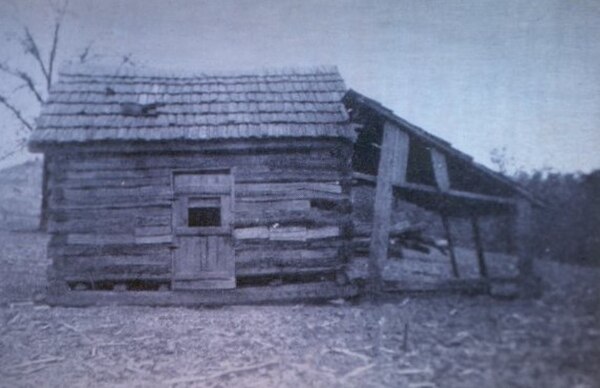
x=352, y=98
x=96, y=103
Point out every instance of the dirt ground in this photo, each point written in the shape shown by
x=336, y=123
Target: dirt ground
x=415, y=341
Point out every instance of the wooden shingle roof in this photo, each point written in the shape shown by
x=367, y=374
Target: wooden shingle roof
x=93, y=104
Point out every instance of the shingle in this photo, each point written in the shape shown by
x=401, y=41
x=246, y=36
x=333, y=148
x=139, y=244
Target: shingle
x=85, y=105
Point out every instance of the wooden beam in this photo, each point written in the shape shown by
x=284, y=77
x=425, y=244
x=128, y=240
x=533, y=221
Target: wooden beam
x=292, y=293
x=479, y=247
x=522, y=237
x=448, y=232
x=392, y=168
x=401, y=144
x=431, y=189
x=440, y=170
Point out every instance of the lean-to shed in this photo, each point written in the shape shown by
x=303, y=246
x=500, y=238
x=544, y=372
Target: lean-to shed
x=233, y=188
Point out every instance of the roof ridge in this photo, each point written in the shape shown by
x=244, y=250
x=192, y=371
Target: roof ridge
x=150, y=72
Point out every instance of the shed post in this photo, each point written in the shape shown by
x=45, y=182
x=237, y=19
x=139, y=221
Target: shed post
x=448, y=233
x=478, y=246
x=393, y=161
x=521, y=230
x=442, y=180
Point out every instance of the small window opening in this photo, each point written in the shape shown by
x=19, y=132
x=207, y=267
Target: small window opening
x=204, y=216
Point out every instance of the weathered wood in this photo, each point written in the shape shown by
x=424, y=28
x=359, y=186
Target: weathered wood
x=449, y=194
x=310, y=218
x=291, y=233
x=450, y=239
x=273, y=205
x=329, y=268
x=105, y=222
x=93, y=225
x=147, y=201
x=521, y=227
x=266, y=244
x=247, y=295
x=87, y=263
x=97, y=277
x=249, y=196
x=116, y=238
x=163, y=162
x=129, y=182
x=394, y=140
x=157, y=239
x=161, y=177
x=203, y=260
x=343, y=147
x=59, y=250
x=288, y=258
x=479, y=247
x=117, y=193
x=44, y=207
x=141, y=213
x=145, y=231
x=440, y=169
x=106, y=204
x=249, y=189
x=469, y=286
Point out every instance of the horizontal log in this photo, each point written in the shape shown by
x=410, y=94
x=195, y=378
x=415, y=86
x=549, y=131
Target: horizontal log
x=310, y=218
x=287, y=195
x=285, y=256
x=272, y=205
x=290, y=264
x=146, y=231
x=112, y=203
x=115, y=277
x=143, y=215
x=260, y=188
x=283, y=293
x=108, y=263
x=152, y=220
x=123, y=173
x=288, y=233
x=448, y=195
x=111, y=239
x=99, y=239
x=93, y=225
x=91, y=162
x=101, y=193
x=283, y=271
x=165, y=161
x=134, y=271
x=154, y=239
x=56, y=250
x=291, y=233
x=124, y=182
x=265, y=244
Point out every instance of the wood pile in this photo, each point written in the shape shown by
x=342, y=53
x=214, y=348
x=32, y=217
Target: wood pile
x=402, y=235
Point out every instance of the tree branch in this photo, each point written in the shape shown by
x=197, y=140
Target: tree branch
x=20, y=146
x=16, y=112
x=31, y=48
x=53, y=51
x=25, y=78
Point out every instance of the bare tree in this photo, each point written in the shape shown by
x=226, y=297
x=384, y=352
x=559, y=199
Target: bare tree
x=45, y=71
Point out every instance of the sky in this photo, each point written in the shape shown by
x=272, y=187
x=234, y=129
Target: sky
x=523, y=75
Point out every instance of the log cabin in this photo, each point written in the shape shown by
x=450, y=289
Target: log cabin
x=197, y=189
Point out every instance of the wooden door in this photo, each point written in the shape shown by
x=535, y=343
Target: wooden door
x=202, y=216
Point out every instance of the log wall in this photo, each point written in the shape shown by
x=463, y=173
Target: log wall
x=110, y=211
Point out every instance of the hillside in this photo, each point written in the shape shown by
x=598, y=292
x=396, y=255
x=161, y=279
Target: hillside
x=20, y=196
